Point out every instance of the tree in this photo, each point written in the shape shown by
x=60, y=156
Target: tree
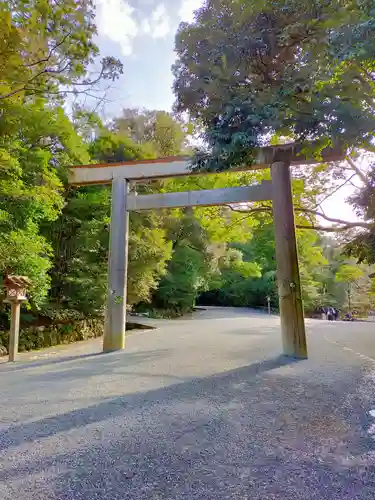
x=230, y=286
x=167, y=136
x=341, y=282
x=362, y=245
x=80, y=239
x=234, y=288
x=247, y=73
x=36, y=143
x=47, y=47
x=201, y=238
x=87, y=123
x=311, y=260
x=149, y=254
x=247, y=70
x=46, y=50
x=349, y=275
x=223, y=224
x=112, y=147
x=190, y=267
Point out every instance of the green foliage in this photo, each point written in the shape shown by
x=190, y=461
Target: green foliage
x=311, y=260
x=232, y=262
x=111, y=147
x=25, y=252
x=231, y=286
x=258, y=254
x=36, y=143
x=362, y=245
x=39, y=337
x=46, y=45
x=348, y=273
x=43, y=46
x=149, y=252
x=189, y=269
x=80, y=238
x=184, y=279
x=80, y=241
x=159, y=129
x=248, y=70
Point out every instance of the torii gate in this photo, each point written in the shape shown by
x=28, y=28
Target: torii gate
x=279, y=190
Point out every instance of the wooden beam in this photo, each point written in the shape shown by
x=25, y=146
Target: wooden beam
x=203, y=198
x=150, y=169
x=180, y=166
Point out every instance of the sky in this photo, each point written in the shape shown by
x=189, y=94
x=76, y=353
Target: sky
x=141, y=34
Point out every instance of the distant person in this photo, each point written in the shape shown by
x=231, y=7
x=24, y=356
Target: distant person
x=330, y=314
x=323, y=311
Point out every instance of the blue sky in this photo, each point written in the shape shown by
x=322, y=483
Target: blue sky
x=141, y=33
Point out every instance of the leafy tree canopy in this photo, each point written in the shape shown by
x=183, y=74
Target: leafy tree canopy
x=37, y=142
x=158, y=128
x=112, y=147
x=47, y=46
x=348, y=273
x=362, y=245
x=247, y=70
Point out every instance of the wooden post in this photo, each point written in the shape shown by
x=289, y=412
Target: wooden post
x=16, y=294
x=14, y=329
x=290, y=298
x=114, y=334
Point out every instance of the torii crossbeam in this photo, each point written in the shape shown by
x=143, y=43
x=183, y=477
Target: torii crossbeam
x=279, y=190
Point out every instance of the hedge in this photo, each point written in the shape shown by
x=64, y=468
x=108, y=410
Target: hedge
x=39, y=337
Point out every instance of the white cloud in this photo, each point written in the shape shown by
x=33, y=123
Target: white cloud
x=115, y=21
x=186, y=12
x=159, y=22
x=146, y=27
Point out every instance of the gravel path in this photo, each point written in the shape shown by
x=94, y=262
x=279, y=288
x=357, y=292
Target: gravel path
x=202, y=408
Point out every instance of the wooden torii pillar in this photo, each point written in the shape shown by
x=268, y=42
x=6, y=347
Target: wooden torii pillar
x=288, y=276
x=279, y=158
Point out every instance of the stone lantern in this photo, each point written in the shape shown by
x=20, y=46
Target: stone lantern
x=16, y=287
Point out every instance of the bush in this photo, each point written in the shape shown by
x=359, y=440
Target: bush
x=39, y=337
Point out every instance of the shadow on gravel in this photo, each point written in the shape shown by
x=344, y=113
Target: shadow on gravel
x=25, y=365
x=260, y=432
x=97, y=364
x=192, y=387
x=59, y=356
